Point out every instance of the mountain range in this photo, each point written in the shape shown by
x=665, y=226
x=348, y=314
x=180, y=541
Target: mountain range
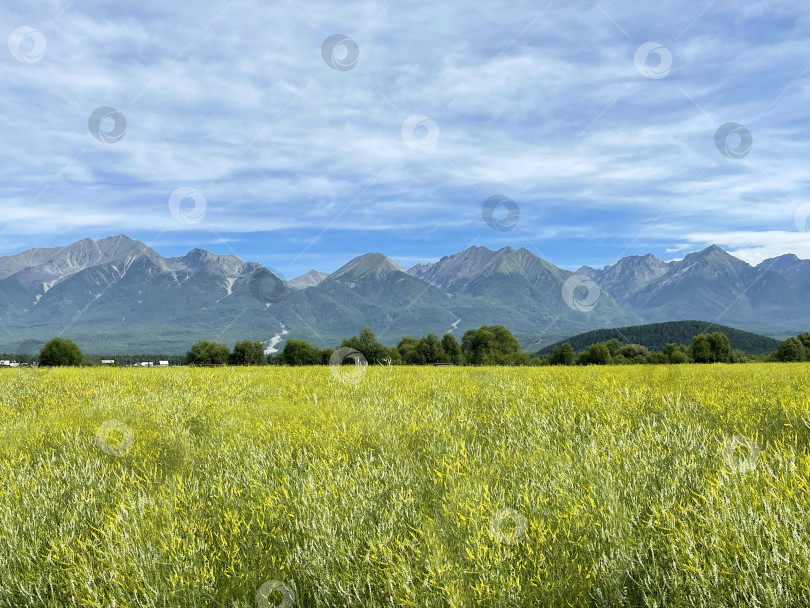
x=117, y=295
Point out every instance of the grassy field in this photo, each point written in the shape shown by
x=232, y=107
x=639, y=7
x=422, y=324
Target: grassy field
x=618, y=486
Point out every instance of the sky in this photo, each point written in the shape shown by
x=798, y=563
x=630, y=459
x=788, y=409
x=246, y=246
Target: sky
x=300, y=134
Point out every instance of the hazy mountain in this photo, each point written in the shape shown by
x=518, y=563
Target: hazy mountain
x=310, y=279
x=796, y=271
x=712, y=285
x=628, y=275
x=454, y=271
x=519, y=290
x=118, y=295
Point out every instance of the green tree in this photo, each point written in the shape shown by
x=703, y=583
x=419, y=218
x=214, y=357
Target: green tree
x=791, y=349
x=711, y=348
x=657, y=358
x=61, y=352
x=299, y=352
x=562, y=355
x=393, y=354
x=247, y=353
x=408, y=350
x=206, y=352
x=490, y=345
x=431, y=350
x=614, y=346
x=452, y=348
x=366, y=343
x=676, y=353
x=633, y=353
x=679, y=357
x=598, y=354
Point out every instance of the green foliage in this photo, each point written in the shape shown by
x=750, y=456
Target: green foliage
x=431, y=350
x=408, y=350
x=299, y=352
x=679, y=356
x=792, y=349
x=490, y=345
x=247, y=353
x=598, y=354
x=711, y=348
x=366, y=343
x=60, y=352
x=632, y=353
x=396, y=357
x=206, y=352
x=655, y=336
x=452, y=348
x=561, y=355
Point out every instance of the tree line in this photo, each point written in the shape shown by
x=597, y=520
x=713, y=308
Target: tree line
x=487, y=345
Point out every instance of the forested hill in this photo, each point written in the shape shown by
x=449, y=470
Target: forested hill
x=656, y=336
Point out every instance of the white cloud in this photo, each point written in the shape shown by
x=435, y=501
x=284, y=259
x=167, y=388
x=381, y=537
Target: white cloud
x=243, y=108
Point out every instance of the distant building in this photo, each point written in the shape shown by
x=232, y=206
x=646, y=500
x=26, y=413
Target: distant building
x=108, y=361
x=164, y=364
x=147, y=364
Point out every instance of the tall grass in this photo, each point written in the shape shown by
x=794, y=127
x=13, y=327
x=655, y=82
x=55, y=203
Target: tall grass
x=560, y=487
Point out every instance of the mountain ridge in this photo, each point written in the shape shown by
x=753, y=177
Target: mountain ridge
x=118, y=291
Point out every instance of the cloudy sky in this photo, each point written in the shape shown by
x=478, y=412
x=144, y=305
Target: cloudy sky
x=300, y=134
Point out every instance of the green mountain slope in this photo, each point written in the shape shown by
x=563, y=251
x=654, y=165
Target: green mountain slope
x=657, y=335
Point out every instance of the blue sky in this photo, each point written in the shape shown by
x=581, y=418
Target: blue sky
x=606, y=143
